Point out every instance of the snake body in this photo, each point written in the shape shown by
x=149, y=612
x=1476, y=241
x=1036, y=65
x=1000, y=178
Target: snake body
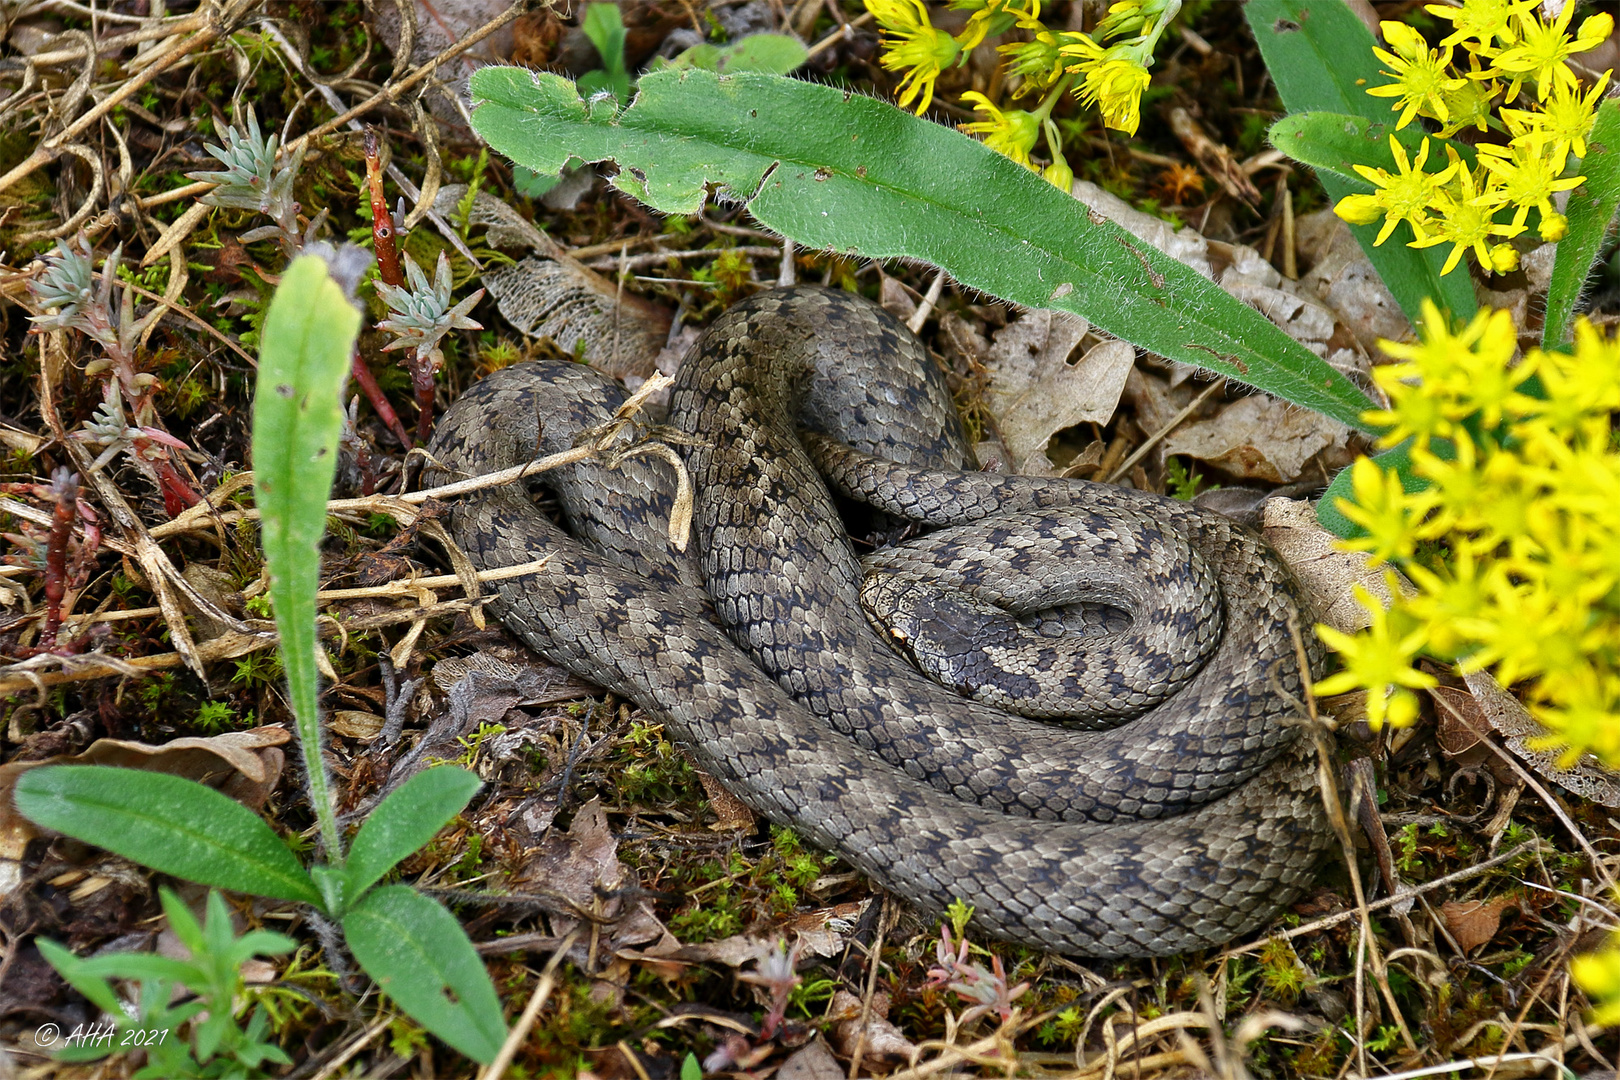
x=1186, y=826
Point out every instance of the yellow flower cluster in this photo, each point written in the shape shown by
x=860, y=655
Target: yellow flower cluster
x=1522, y=497
x=1480, y=68
x=1110, y=77
x=1599, y=975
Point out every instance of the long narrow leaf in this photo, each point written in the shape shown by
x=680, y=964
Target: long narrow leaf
x=308, y=336
x=852, y=174
x=1591, y=210
x=420, y=956
x=169, y=823
x=1320, y=56
x=403, y=822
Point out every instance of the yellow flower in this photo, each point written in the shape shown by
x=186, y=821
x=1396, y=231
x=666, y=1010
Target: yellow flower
x=1599, y=975
x=1379, y=507
x=991, y=17
x=1136, y=17
x=1481, y=21
x=1469, y=106
x=912, y=45
x=1525, y=509
x=1565, y=119
x=1039, y=61
x=1544, y=47
x=1379, y=660
x=1404, y=195
x=1452, y=601
x=1463, y=222
x=1113, y=80
x=1526, y=174
x=1012, y=133
x=1419, y=73
x=1580, y=385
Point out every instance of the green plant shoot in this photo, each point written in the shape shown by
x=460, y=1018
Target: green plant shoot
x=308, y=336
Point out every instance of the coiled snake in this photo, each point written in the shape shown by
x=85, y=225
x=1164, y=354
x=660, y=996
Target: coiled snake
x=1180, y=829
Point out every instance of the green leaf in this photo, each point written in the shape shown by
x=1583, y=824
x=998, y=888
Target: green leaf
x=72, y=968
x=852, y=174
x=773, y=54
x=171, y=824
x=1337, y=142
x=1591, y=210
x=530, y=184
x=309, y=335
x=1320, y=56
x=691, y=1068
x=403, y=822
x=604, y=27
x=419, y=955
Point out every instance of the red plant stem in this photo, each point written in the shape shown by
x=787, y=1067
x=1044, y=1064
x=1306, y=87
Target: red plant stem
x=374, y=394
x=422, y=372
x=178, y=495
x=382, y=222
x=65, y=487
x=382, y=238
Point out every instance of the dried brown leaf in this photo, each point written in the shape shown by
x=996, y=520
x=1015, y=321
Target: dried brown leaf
x=1035, y=392
x=1475, y=922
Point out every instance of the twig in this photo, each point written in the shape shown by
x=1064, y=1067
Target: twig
x=537, y=1001
x=411, y=191
x=368, y=1037
x=875, y=961
x=1598, y=866
x=213, y=26
x=181, y=24
x=1174, y=422
x=1330, y=921
x=926, y=308
x=1341, y=828
x=395, y=90
x=193, y=317
x=1473, y=1063
x=654, y=258
x=837, y=35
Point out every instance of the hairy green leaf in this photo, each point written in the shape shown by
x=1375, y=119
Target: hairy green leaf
x=403, y=822
x=169, y=823
x=1591, y=210
x=858, y=176
x=1320, y=56
x=420, y=956
x=308, y=337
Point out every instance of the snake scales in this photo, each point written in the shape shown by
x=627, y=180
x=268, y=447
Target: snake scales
x=1181, y=829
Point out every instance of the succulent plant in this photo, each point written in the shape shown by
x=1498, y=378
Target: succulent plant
x=420, y=310
x=68, y=285
x=251, y=180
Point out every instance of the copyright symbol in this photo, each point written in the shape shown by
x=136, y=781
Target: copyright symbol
x=47, y=1035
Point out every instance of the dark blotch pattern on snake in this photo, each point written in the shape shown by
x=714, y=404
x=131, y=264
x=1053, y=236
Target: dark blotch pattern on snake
x=1183, y=828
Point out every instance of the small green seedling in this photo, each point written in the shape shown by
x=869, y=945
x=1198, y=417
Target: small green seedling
x=217, y=1046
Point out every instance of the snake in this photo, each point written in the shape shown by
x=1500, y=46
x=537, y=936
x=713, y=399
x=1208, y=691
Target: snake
x=1180, y=813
